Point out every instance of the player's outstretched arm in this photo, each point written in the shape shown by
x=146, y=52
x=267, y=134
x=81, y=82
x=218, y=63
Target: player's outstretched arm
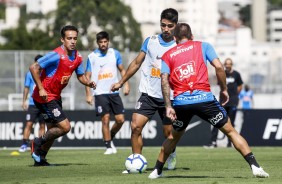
x=83, y=80
x=126, y=88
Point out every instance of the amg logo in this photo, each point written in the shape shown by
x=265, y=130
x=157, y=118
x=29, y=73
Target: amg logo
x=273, y=126
x=105, y=76
x=216, y=119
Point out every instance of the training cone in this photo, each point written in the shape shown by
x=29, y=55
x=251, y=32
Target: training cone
x=15, y=153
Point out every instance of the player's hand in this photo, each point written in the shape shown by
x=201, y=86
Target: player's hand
x=126, y=90
x=92, y=84
x=115, y=87
x=170, y=113
x=24, y=106
x=43, y=94
x=90, y=99
x=224, y=97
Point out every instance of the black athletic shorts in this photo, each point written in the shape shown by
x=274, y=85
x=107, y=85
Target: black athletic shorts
x=147, y=106
x=211, y=112
x=108, y=103
x=33, y=114
x=52, y=111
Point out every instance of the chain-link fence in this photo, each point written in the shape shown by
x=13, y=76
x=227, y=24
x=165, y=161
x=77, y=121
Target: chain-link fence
x=15, y=64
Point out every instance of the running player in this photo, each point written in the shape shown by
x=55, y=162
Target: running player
x=51, y=73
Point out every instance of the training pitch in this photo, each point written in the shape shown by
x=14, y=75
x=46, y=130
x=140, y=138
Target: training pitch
x=195, y=165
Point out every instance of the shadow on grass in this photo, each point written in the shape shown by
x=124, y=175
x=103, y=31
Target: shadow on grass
x=58, y=165
x=178, y=176
x=165, y=169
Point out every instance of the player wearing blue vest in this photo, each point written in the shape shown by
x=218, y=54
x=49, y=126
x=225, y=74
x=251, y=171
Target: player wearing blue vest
x=102, y=66
x=33, y=112
x=246, y=97
x=151, y=99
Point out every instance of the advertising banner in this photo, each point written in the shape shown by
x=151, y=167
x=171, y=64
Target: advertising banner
x=86, y=131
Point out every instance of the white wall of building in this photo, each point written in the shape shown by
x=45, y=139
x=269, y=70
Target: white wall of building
x=43, y=6
x=275, y=26
x=12, y=16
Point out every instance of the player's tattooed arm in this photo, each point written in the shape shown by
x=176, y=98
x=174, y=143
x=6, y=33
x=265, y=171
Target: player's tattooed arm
x=166, y=89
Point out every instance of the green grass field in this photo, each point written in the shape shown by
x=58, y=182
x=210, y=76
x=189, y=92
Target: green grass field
x=195, y=165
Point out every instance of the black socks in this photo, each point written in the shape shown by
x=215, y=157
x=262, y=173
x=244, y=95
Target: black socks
x=159, y=166
x=250, y=158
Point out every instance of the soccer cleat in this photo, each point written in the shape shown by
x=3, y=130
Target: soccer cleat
x=210, y=146
x=171, y=161
x=23, y=148
x=109, y=151
x=155, y=175
x=113, y=147
x=43, y=162
x=35, y=157
x=259, y=172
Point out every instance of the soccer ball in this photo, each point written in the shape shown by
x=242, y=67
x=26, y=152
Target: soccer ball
x=136, y=163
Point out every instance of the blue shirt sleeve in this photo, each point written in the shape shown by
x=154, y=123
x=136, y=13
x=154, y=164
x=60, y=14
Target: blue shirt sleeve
x=209, y=53
x=27, y=79
x=144, y=47
x=88, y=66
x=79, y=70
x=51, y=58
x=118, y=57
x=165, y=68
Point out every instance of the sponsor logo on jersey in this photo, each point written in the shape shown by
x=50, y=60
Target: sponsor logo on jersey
x=185, y=70
x=159, y=57
x=105, y=76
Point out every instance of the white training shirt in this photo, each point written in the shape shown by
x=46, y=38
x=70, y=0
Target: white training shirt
x=150, y=81
x=104, y=70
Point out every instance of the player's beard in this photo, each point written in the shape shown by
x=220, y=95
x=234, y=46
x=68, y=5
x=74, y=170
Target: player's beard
x=167, y=36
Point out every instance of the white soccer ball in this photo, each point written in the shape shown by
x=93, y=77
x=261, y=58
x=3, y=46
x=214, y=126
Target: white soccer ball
x=136, y=163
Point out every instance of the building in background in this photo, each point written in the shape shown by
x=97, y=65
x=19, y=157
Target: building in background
x=147, y=13
x=256, y=52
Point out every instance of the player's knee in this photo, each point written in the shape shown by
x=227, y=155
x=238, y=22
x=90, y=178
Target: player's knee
x=136, y=129
x=120, y=121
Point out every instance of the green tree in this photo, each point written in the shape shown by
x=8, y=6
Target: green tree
x=111, y=15
x=21, y=39
x=2, y=11
x=276, y=3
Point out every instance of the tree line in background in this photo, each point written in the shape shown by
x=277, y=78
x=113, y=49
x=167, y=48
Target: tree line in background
x=110, y=15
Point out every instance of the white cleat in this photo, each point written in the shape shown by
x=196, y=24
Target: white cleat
x=109, y=151
x=113, y=147
x=155, y=175
x=259, y=172
x=23, y=148
x=171, y=161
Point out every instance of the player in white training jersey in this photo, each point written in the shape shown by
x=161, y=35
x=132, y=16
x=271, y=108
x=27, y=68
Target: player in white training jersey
x=102, y=66
x=151, y=99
